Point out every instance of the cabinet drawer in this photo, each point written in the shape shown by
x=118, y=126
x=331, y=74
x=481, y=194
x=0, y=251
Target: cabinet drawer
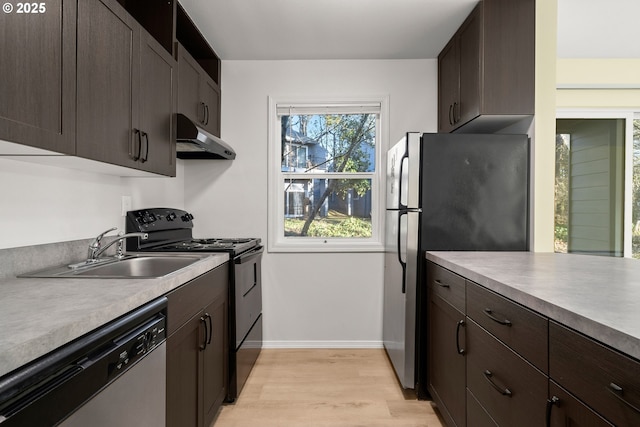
x=193, y=296
x=604, y=379
x=569, y=411
x=511, y=390
x=520, y=328
x=476, y=414
x=447, y=285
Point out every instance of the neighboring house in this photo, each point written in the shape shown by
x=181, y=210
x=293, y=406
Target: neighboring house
x=300, y=154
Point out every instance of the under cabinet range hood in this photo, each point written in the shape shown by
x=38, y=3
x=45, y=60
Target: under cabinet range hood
x=193, y=142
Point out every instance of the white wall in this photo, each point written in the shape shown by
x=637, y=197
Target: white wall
x=46, y=204
x=309, y=299
x=544, y=133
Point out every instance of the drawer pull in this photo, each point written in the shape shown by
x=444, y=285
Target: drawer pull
x=618, y=392
x=460, y=350
x=489, y=314
x=553, y=401
x=503, y=391
x=442, y=285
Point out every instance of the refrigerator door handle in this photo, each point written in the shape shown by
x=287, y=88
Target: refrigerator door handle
x=405, y=156
x=403, y=264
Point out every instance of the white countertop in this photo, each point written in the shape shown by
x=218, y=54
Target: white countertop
x=40, y=315
x=596, y=295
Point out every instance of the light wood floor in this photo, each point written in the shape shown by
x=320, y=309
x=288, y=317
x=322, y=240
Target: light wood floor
x=325, y=388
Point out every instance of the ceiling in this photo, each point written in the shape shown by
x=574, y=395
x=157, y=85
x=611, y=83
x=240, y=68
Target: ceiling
x=598, y=29
x=327, y=29
x=391, y=29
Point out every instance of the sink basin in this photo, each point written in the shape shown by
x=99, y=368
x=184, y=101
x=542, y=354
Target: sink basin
x=132, y=266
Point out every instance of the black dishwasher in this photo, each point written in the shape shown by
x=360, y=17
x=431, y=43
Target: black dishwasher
x=114, y=375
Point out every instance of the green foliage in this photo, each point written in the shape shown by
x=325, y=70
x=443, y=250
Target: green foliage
x=330, y=227
x=561, y=241
x=561, y=233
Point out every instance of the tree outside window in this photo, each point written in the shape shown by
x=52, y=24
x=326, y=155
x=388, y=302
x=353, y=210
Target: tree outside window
x=327, y=164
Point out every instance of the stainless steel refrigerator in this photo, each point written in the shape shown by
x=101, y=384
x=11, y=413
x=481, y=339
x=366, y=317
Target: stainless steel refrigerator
x=445, y=192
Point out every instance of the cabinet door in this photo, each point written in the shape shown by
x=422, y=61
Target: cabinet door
x=210, y=93
x=508, y=77
x=476, y=415
x=214, y=367
x=183, y=366
x=568, y=411
x=448, y=85
x=447, y=362
x=612, y=386
x=469, y=37
x=512, y=391
x=189, y=102
x=108, y=68
x=158, y=85
x=38, y=83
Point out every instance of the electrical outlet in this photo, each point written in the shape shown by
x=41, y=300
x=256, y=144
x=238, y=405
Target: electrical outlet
x=126, y=204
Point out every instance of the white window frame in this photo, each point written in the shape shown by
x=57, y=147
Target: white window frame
x=277, y=242
x=628, y=116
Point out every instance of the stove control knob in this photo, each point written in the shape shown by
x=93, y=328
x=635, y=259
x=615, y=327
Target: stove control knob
x=148, y=217
x=171, y=216
x=186, y=217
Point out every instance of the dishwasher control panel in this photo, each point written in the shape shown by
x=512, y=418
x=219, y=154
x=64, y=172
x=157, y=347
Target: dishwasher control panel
x=131, y=347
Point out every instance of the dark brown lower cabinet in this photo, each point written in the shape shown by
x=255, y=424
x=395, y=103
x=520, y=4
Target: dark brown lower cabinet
x=214, y=383
x=565, y=410
x=197, y=354
x=520, y=368
x=508, y=387
x=447, y=361
x=605, y=380
x=476, y=414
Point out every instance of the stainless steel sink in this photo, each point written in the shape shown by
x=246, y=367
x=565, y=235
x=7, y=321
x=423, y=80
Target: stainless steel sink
x=131, y=266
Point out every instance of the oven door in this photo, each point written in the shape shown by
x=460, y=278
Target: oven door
x=245, y=319
x=248, y=291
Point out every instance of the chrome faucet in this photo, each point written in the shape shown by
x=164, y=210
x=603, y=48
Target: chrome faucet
x=94, y=246
x=96, y=249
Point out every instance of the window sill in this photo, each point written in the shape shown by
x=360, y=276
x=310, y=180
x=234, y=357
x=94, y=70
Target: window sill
x=313, y=245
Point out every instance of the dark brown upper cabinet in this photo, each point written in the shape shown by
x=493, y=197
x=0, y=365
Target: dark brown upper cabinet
x=157, y=103
x=125, y=91
x=38, y=83
x=157, y=17
x=199, y=95
x=190, y=37
x=486, y=73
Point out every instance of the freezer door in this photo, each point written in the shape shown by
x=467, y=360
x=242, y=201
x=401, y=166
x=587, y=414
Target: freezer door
x=403, y=173
x=475, y=192
x=399, y=304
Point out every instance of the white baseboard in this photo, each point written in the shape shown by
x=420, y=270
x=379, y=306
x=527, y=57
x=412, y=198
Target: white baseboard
x=322, y=344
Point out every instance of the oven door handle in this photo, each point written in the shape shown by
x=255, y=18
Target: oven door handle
x=245, y=257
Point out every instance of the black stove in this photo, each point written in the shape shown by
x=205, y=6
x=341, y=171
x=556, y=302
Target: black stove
x=235, y=246
x=170, y=230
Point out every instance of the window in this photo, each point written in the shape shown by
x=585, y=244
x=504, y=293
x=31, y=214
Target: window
x=325, y=166
x=597, y=184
